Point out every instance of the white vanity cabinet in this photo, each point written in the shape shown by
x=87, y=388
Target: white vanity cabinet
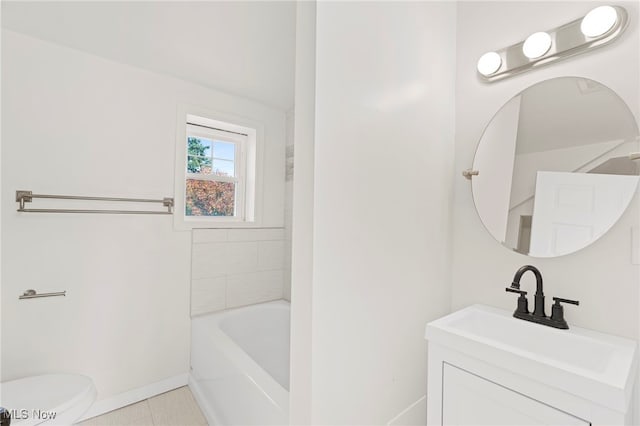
x=469, y=399
x=488, y=368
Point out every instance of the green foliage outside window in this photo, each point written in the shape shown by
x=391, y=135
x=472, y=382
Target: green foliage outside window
x=206, y=197
x=197, y=156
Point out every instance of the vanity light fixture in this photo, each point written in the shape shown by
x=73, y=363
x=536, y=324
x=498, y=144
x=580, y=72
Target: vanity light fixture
x=599, y=21
x=489, y=63
x=600, y=26
x=536, y=45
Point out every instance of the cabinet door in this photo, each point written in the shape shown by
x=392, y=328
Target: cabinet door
x=471, y=400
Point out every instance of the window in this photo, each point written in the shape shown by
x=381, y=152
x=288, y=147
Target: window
x=215, y=173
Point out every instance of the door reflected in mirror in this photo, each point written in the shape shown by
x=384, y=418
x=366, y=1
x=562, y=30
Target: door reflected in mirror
x=558, y=165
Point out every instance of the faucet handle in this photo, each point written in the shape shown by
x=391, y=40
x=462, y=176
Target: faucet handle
x=557, y=312
x=523, y=303
x=559, y=300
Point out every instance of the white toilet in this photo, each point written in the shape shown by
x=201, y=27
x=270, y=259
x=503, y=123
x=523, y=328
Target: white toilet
x=32, y=400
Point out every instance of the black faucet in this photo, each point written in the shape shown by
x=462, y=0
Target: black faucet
x=538, y=316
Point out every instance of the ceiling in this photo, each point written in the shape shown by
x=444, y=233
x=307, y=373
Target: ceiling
x=570, y=111
x=242, y=48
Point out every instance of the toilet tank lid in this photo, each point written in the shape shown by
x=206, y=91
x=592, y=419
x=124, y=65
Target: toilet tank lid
x=48, y=392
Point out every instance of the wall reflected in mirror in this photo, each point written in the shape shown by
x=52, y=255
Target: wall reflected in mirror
x=556, y=167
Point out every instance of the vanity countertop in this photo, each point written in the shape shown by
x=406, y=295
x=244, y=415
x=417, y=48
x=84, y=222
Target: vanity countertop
x=596, y=366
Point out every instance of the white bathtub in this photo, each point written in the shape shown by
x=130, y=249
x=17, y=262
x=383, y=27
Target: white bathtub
x=240, y=365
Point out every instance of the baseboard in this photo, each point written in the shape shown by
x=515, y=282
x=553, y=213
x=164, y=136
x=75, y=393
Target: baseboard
x=414, y=415
x=135, y=395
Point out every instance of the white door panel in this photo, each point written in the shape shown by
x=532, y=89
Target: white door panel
x=573, y=209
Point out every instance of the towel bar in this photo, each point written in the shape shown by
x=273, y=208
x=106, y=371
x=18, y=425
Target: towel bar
x=23, y=197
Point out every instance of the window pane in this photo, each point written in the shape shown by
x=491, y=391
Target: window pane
x=223, y=168
x=201, y=165
x=210, y=198
x=224, y=150
x=199, y=153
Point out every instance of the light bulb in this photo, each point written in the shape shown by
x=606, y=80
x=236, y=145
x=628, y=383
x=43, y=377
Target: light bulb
x=599, y=21
x=489, y=63
x=536, y=45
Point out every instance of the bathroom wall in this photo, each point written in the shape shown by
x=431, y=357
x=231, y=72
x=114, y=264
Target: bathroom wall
x=301, y=339
x=604, y=276
x=381, y=183
x=236, y=267
x=74, y=123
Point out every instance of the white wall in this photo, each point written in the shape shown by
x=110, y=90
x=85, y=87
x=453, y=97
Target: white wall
x=300, y=370
x=602, y=275
x=382, y=185
x=74, y=123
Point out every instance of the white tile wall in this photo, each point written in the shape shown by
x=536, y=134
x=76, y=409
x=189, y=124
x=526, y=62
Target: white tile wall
x=236, y=267
x=261, y=234
x=210, y=235
x=208, y=295
x=270, y=255
x=254, y=287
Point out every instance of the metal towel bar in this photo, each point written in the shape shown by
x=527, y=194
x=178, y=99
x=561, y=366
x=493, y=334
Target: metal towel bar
x=32, y=294
x=23, y=197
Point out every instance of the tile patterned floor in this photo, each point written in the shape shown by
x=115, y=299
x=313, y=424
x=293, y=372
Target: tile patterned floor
x=174, y=408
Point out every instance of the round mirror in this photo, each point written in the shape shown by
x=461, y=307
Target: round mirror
x=557, y=166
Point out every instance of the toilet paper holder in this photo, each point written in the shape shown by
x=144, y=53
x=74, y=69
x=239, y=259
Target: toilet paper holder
x=32, y=294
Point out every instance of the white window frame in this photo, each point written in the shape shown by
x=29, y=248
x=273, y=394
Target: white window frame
x=247, y=136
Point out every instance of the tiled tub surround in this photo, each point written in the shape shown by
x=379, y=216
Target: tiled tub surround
x=236, y=267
